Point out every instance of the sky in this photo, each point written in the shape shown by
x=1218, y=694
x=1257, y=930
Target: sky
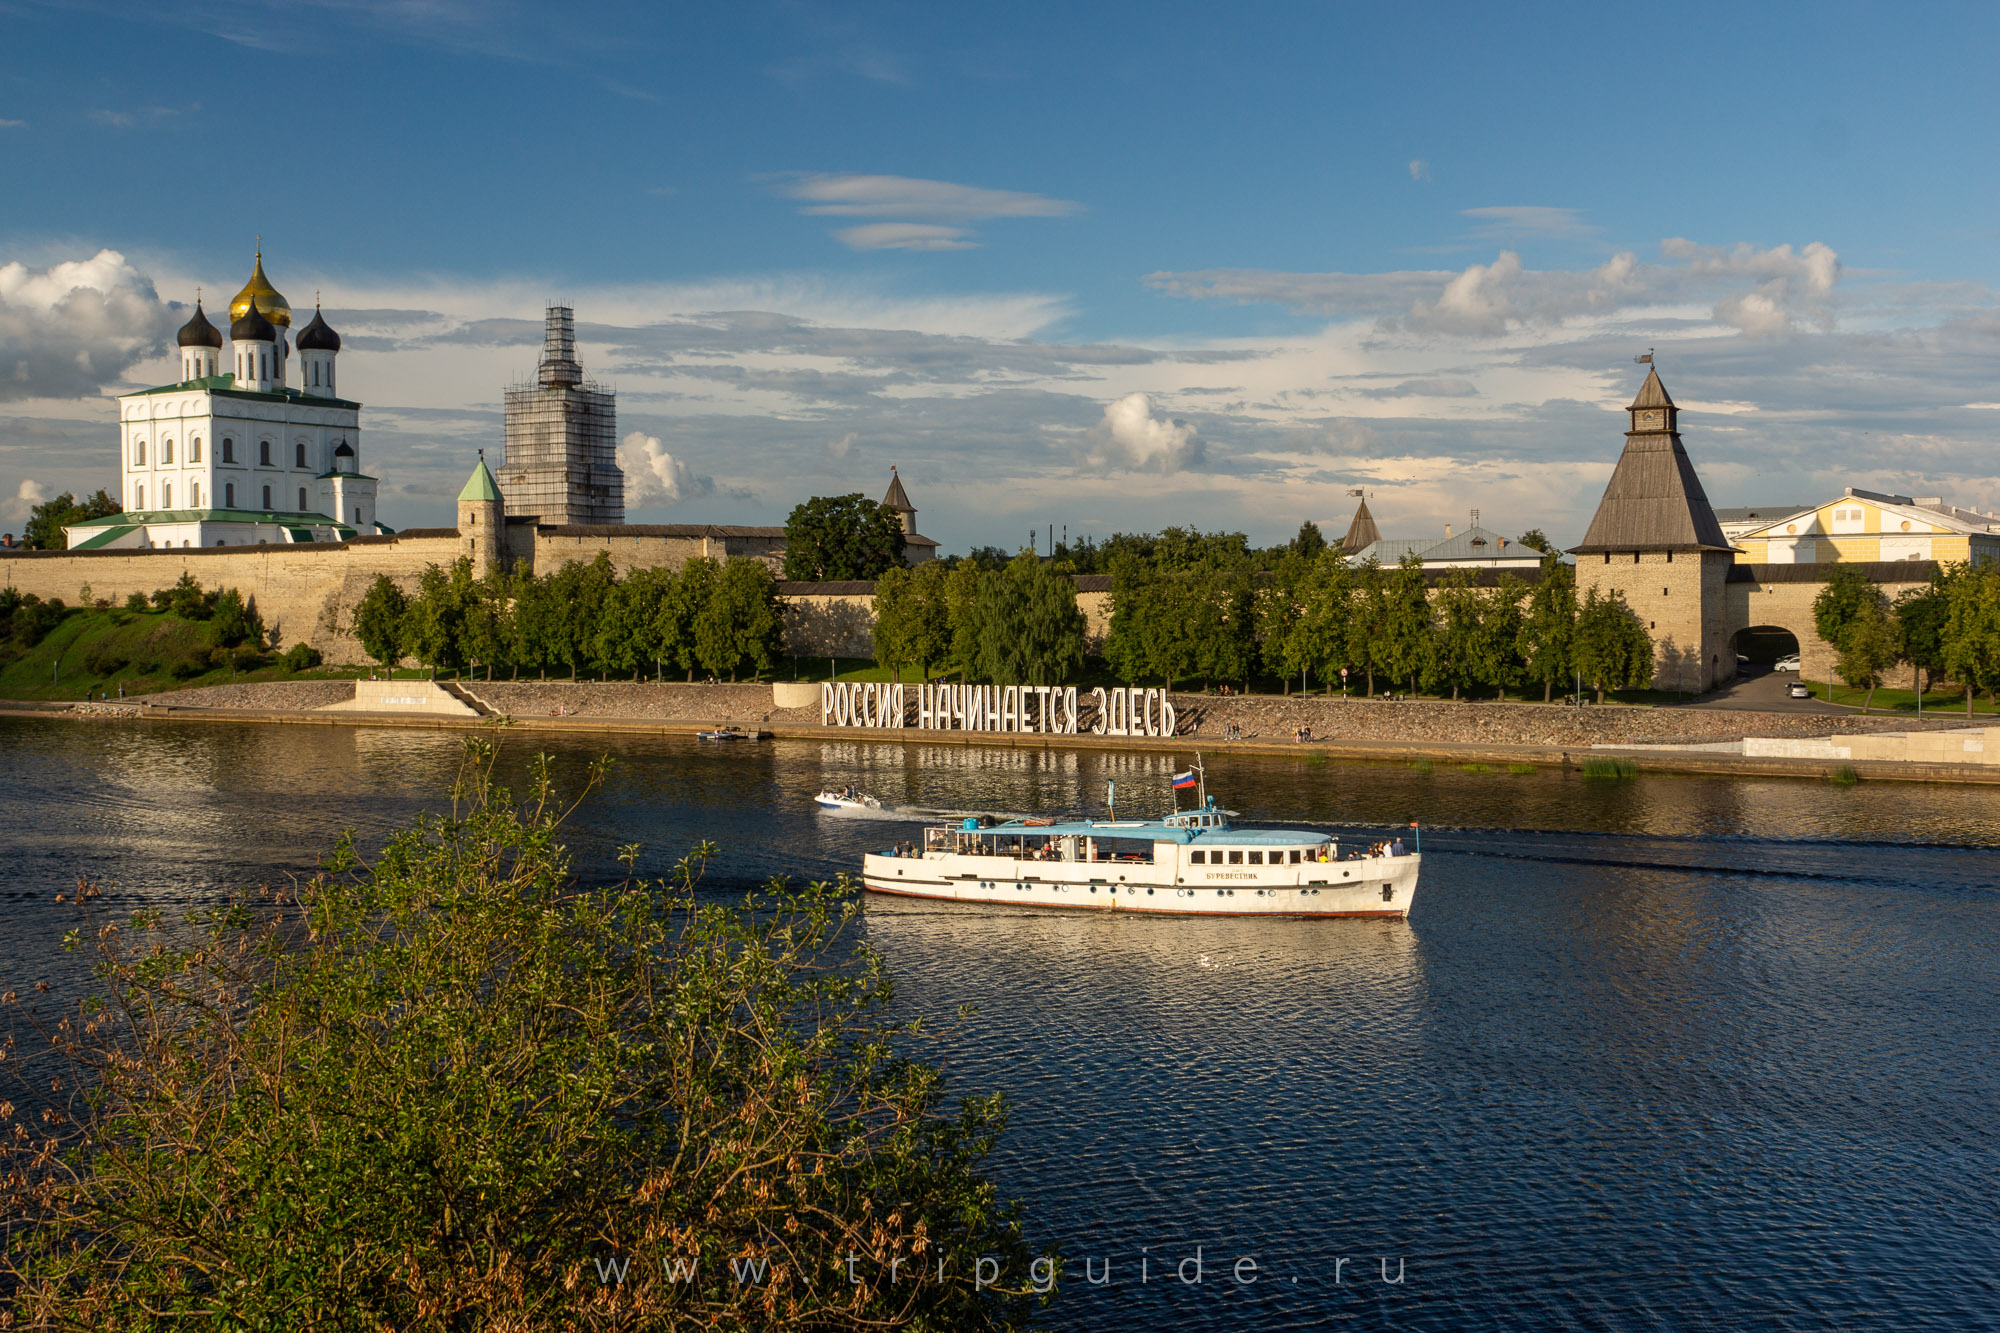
x=1102, y=267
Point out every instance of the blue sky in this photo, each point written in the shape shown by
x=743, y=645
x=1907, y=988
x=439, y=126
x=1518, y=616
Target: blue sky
x=1103, y=266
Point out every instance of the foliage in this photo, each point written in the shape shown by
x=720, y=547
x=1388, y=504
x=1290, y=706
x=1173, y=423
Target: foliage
x=1597, y=766
x=1547, y=642
x=378, y=621
x=46, y=521
x=456, y=1088
x=1869, y=646
x=835, y=537
x=1406, y=629
x=1847, y=591
x=1537, y=540
x=1613, y=649
x=1027, y=628
x=1310, y=541
x=1921, y=615
x=235, y=621
x=301, y=657
x=1972, y=629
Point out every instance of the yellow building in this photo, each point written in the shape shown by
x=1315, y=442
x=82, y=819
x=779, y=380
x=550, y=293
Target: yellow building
x=1867, y=527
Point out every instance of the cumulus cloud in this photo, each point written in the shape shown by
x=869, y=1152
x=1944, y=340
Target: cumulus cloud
x=1420, y=170
x=1791, y=289
x=68, y=330
x=905, y=236
x=1132, y=438
x=654, y=477
x=17, y=507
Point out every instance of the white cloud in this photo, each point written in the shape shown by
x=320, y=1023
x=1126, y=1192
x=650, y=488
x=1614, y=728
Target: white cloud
x=1131, y=438
x=654, y=477
x=1420, y=170
x=931, y=213
x=69, y=329
x=1528, y=220
x=13, y=124
x=837, y=449
x=17, y=507
x=837, y=195
x=905, y=236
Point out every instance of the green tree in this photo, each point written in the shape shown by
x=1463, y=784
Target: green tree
x=1613, y=649
x=434, y=621
x=1322, y=640
x=1310, y=541
x=930, y=640
x=692, y=592
x=622, y=640
x=1921, y=614
x=581, y=590
x=1406, y=630
x=1496, y=645
x=378, y=621
x=235, y=621
x=1847, y=591
x=1972, y=630
x=741, y=625
x=650, y=594
x=964, y=598
x=1368, y=620
x=443, y=1088
x=537, y=622
x=488, y=614
x=1029, y=629
x=1548, y=630
x=835, y=537
x=46, y=521
x=1536, y=540
x=1869, y=647
x=898, y=612
x=1455, y=632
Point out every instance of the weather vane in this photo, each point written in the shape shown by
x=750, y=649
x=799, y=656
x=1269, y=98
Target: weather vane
x=1645, y=360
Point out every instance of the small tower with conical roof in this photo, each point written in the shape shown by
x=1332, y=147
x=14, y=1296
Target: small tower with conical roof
x=481, y=520
x=1655, y=541
x=1361, y=533
x=318, y=346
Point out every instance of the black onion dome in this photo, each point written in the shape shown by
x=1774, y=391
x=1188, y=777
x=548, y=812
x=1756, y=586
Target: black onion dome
x=198, y=332
x=344, y=450
x=318, y=336
x=253, y=327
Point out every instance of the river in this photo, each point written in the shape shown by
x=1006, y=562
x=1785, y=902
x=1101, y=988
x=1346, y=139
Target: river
x=1663, y=1053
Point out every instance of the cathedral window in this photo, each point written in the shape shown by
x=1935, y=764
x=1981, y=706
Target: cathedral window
x=264, y=452
x=166, y=451
x=166, y=495
x=228, y=450
x=301, y=453
x=229, y=496
x=267, y=497
x=139, y=496
x=194, y=450
x=138, y=453
x=302, y=499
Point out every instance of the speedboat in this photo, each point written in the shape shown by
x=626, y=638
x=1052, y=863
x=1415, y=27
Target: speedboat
x=1191, y=862
x=724, y=734
x=846, y=799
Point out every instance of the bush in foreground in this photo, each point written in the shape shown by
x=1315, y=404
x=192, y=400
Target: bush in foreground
x=455, y=1089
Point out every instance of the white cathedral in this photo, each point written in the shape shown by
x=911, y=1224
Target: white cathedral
x=241, y=457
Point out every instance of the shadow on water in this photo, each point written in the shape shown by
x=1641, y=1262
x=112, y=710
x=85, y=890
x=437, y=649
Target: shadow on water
x=1664, y=1053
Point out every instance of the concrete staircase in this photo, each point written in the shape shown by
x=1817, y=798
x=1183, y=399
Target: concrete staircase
x=459, y=691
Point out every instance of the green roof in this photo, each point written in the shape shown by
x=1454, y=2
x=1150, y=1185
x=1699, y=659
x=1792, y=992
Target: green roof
x=105, y=538
x=480, y=485
x=225, y=386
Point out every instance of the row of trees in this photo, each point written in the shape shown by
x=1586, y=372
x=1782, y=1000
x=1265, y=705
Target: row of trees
x=718, y=617
x=1950, y=628
x=1316, y=614
x=1015, y=624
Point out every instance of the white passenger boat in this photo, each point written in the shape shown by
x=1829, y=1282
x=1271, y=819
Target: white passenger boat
x=848, y=798
x=1192, y=862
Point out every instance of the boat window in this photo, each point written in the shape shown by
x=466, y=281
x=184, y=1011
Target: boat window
x=1256, y=858
x=1295, y=856
x=1236, y=858
x=1197, y=858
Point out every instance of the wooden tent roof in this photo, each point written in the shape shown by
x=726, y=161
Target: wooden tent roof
x=1654, y=501
x=1362, y=532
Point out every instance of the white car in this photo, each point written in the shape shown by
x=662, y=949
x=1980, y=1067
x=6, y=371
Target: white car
x=1798, y=689
x=1787, y=663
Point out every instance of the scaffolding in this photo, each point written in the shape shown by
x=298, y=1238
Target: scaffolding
x=561, y=442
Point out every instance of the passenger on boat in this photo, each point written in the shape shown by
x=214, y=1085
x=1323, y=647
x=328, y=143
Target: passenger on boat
x=1396, y=848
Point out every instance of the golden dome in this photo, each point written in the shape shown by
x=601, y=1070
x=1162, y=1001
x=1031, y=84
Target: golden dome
x=269, y=302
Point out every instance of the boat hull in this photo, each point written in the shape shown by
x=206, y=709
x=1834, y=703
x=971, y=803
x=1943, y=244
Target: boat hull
x=1372, y=887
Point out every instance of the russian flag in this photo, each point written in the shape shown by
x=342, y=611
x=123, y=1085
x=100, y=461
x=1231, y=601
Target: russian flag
x=1182, y=781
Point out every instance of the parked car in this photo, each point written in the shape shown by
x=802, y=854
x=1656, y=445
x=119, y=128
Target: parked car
x=1798, y=689
x=1787, y=663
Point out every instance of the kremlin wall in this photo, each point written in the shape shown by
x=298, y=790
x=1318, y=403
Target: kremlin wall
x=234, y=447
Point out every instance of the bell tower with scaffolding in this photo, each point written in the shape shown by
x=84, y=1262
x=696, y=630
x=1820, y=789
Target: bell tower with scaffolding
x=561, y=465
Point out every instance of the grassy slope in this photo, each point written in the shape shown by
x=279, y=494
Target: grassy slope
x=56, y=667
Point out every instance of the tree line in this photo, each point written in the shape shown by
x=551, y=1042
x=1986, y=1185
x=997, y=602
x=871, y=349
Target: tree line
x=1196, y=611
x=1948, y=629
x=718, y=617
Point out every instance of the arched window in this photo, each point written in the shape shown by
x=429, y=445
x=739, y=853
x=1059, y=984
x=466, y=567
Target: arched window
x=264, y=452
x=166, y=451
x=139, y=496
x=194, y=450
x=301, y=453
x=229, y=495
x=138, y=453
x=302, y=499
x=166, y=495
x=267, y=497
x=194, y=494
x=228, y=450
x=357, y=518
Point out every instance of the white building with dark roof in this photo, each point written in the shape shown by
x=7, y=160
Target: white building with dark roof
x=242, y=456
